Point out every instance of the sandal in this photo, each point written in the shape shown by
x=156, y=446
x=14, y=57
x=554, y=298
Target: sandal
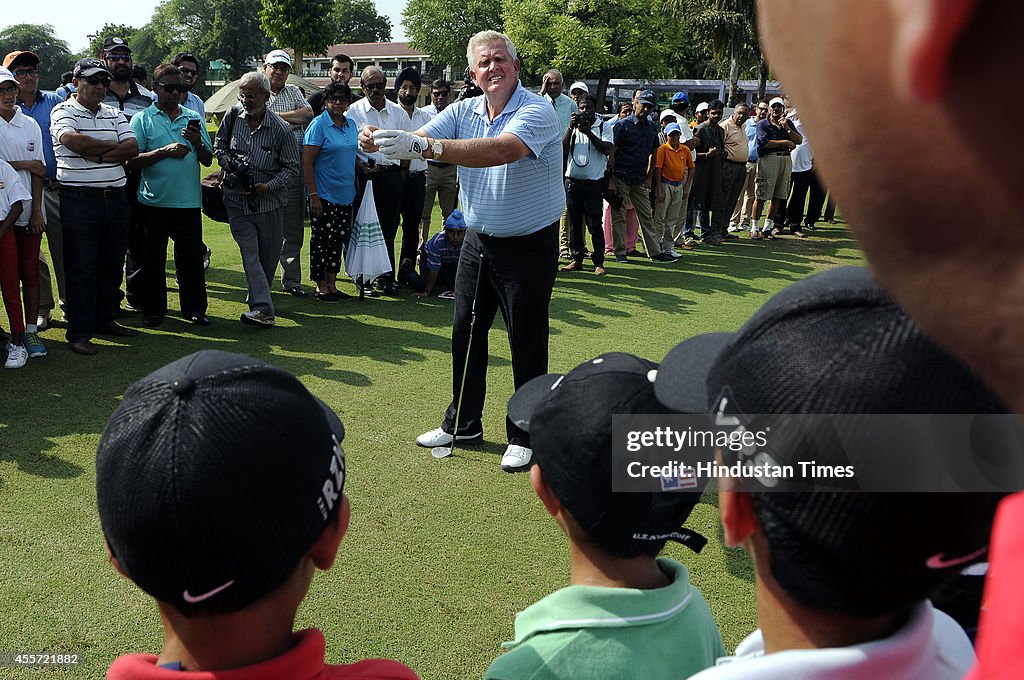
x=769, y=235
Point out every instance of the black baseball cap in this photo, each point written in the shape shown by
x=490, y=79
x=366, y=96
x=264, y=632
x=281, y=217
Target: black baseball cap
x=569, y=418
x=89, y=67
x=115, y=43
x=214, y=476
x=835, y=343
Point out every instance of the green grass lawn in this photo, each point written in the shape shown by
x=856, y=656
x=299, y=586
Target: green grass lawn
x=440, y=554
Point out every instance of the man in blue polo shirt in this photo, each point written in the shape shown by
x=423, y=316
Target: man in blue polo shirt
x=172, y=143
x=507, y=144
x=37, y=105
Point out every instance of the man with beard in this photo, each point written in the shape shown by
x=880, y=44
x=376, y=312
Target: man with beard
x=407, y=87
x=442, y=178
x=130, y=98
x=387, y=174
x=707, y=181
x=341, y=72
x=288, y=102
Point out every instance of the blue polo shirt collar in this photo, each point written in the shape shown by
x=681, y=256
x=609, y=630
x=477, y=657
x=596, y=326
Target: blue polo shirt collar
x=514, y=102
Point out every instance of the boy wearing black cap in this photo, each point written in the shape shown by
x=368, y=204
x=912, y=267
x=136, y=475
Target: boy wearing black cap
x=627, y=612
x=224, y=519
x=843, y=578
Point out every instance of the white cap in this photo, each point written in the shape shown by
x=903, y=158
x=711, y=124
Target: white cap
x=777, y=100
x=668, y=112
x=278, y=57
x=703, y=106
x=579, y=85
x=5, y=75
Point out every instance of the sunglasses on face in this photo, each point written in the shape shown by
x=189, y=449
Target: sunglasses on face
x=337, y=100
x=96, y=80
x=174, y=87
x=26, y=72
x=373, y=86
x=118, y=57
x=13, y=89
x=188, y=71
x=439, y=94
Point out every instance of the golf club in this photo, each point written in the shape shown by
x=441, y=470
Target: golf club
x=445, y=451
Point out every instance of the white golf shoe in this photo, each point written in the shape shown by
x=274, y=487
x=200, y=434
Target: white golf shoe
x=439, y=437
x=516, y=459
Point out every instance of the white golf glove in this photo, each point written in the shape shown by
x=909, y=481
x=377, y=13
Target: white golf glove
x=399, y=145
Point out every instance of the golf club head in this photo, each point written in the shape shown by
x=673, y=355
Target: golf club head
x=441, y=451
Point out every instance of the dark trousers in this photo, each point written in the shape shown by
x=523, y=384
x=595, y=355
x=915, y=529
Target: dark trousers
x=185, y=227
x=830, y=208
x=583, y=198
x=518, y=275
x=135, y=256
x=445, y=277
x=95, y=241
x=413, y=194
x=387, y=197
x=802, y=182
x=733, y=177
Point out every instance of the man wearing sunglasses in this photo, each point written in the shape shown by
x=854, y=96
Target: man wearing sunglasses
x=130, y=98
x=38, y=106
x=172, y=143
x=92, y=141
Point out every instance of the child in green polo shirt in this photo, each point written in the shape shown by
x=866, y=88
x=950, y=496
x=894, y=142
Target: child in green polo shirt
x=628, y=613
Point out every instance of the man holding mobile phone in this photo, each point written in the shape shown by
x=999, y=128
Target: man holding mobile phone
x=172, y=144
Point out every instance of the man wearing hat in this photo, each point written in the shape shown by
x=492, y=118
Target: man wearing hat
x=577, y=91
x=407, y=90
x=627, y=612
x=92, y=141
x=588, y=143
x=127, y=96
x=38, y=106
x=636, y=141
x=288, y=102
x=190, y=459
x=439, y=260
x=776, y=137
x=843, y=577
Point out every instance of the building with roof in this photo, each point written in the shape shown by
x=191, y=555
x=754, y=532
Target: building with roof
x=390, y=58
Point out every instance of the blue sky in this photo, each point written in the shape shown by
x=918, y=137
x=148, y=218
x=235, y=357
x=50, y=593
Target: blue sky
x=72, y=24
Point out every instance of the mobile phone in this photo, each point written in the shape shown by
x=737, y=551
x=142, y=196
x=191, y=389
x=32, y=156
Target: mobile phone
x=194, y=123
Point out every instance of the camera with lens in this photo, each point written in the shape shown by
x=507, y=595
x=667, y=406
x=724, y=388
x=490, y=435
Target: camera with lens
x=469, y=88
x=585, y=120
x=238, y=173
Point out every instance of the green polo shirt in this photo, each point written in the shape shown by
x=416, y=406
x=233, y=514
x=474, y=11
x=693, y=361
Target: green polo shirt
x=593, y=632
x=171, y=182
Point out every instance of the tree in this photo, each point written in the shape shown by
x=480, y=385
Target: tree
x=116, y=30
x=54, y=55
x=727, y=29
x=443, y=27
x=302, y=25
x=357, y=21
x=236, y=34
x=596, y=38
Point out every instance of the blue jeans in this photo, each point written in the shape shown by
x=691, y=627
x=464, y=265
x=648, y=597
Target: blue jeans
x=95, y=241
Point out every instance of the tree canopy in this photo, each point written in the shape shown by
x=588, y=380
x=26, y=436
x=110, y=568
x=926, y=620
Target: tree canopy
x=302, y=25
x=54, y=55
x=443, y=27
x=357, y=21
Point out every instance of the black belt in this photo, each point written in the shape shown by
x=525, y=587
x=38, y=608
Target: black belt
x=416, y=173
x=103, y=192
x=734, y=162
x=439, y=164
x=668, y=181
x=388, y=168
x=778, y=153
x=585, y=181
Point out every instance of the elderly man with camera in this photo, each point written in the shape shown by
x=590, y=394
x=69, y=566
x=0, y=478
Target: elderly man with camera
x=260, y=157
x=588, y=141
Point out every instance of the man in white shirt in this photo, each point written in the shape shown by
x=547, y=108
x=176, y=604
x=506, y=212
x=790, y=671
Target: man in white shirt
x=442, y=178
x=588, y=143
x=377, y=110
x=407, y=87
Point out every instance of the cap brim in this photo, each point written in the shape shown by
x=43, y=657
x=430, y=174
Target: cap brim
x=93, y=71
x=528, y=398
x=681, y=384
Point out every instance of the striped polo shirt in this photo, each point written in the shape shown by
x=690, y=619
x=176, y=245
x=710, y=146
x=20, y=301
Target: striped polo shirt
x=107, y=123
x=289, y=98
x=517, y=198
x=272, y=155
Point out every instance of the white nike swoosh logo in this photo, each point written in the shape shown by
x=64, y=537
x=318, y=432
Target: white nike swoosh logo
x=193, y=599
x=939, y=561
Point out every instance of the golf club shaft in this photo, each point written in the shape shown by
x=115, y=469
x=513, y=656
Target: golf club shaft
x=469, y=347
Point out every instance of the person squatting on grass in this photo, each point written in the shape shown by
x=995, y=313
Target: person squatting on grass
x=628, y=613
x=507, y=144
x=843, y=576
x=439, y=260
x=223, y=518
